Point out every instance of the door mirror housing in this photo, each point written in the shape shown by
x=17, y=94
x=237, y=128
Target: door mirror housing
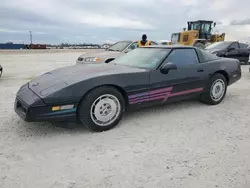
x=167, y=67
x=230, y=49
x=127, y=50
x=130, y=48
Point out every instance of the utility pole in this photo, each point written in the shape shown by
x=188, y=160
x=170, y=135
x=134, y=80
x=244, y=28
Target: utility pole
x=30, y=37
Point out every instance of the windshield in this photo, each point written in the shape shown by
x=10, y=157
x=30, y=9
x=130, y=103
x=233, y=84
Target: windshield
x=218, y=45
x=148, y=58
x=195, y=26
x=119, y=46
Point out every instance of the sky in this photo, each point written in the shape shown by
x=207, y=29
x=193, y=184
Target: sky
x=100, y=21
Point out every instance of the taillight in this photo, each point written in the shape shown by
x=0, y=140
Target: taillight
x=239, y=67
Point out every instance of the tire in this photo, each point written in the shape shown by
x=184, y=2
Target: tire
x=246, y=62
x=199, y=45
x=219, y=81
x=1, y=72
x=114, y=107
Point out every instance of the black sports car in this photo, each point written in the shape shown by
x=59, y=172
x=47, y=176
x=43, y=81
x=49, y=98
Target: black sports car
x=96, y=95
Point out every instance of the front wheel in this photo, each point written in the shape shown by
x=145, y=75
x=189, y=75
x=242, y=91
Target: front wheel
x=101, y=109
x=216, y=90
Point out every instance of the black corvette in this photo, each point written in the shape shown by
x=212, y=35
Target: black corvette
x=96, y=95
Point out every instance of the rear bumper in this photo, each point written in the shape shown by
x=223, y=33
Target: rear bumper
x=236, y=76
x=29, y=107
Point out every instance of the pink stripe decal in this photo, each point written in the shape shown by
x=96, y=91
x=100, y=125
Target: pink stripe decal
x=161, y=90
x=145, y=94
x=186, y=92
x=166, y=95
x=147, y=97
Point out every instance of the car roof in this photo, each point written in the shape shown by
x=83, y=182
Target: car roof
x=231, y=41
x=169, y=46
x=133, y=41
x=124, y=41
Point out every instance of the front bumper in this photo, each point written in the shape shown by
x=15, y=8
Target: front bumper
x=81, y=60
x=87, y=62
x=31, y=108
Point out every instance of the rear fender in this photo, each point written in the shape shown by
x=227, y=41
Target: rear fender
x=223, y=72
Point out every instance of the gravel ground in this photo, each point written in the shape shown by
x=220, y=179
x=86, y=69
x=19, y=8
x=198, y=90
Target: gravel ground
x=187, y=144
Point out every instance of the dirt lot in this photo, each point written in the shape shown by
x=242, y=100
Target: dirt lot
x=188, y=144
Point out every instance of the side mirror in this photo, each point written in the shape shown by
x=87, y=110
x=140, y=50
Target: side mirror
x=127, y=50
x=132, y=47
x=167, y=67
x=230, y=49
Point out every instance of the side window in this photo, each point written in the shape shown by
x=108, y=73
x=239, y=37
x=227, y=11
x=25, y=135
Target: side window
x=234, y=45
x=183, y=57
x=153, y=43
x=242, y=45
x=185, y=38
x=206, y=28
x=133, y=46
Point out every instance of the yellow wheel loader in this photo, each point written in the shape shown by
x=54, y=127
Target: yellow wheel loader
x=198, y=33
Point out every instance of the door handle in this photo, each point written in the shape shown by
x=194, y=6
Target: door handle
x=200, y=70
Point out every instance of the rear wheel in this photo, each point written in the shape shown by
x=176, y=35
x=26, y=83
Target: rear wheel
x=216, y=90
x=199, y=45
x=101, y=109
x=246, y=62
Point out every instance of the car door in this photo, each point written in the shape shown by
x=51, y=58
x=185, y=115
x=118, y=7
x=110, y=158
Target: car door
x=233, y=51
x=244, y=52
x=187, y=80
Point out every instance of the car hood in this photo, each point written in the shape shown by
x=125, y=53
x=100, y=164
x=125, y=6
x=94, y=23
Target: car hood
x=63, y=77
x=101, y=54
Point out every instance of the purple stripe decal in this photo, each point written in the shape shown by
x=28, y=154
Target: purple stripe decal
x=150, y=93
x=146, y=97
x=161, y=90
x=138, y=95
x=164, y=95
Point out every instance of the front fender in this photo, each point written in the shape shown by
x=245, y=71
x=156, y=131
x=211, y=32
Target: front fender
x=76, y=91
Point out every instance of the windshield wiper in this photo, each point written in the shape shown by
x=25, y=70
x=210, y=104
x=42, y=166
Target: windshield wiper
x=111, y=50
